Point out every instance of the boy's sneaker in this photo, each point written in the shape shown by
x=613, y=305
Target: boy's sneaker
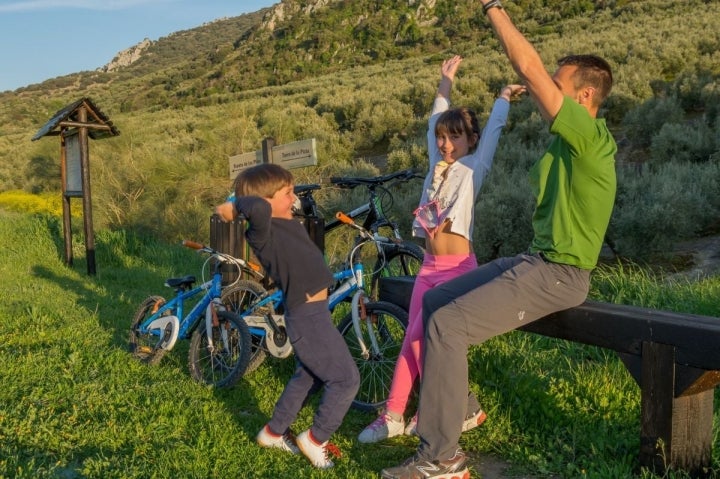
x=411, y=428
x=317, y=452
x=474, y=420
x=382, y=428
x=286, y=442
x=416, y=468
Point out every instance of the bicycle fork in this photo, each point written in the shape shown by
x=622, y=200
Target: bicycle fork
x=359, y=313
x=212, y=322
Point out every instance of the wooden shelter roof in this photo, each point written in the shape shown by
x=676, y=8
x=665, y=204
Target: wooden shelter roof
x=98, y=124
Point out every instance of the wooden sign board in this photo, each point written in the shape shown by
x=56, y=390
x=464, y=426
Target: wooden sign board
x=241, y=162
x=295, y=155
x=290, y=155
x=73, y=168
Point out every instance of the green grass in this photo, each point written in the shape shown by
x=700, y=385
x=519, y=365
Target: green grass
x=74, y=404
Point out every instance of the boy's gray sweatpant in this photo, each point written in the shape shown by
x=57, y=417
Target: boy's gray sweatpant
x=496, y=298
x=323, y=360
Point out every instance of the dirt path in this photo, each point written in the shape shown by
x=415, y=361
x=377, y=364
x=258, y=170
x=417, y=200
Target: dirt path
x=705, y=253
x=488, y=466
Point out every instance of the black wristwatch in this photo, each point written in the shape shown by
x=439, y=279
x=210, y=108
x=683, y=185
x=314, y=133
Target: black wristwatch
x=492, y=4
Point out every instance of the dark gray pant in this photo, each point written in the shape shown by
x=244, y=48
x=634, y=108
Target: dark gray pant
x=495, y=298
x=323, y=359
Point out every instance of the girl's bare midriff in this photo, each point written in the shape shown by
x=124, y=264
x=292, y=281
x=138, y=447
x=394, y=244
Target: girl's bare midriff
x=446, y=243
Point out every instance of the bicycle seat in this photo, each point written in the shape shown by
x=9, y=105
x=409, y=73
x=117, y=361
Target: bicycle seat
x=184, y=282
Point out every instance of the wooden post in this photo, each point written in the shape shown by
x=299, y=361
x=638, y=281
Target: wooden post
x=692, y=433
x=229, y=238
x=67, y=219
x=267, y=146
x=676, y=433
x=87, y=198
x=657, y=389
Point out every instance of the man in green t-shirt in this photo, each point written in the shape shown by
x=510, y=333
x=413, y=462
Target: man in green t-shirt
x=574, y=186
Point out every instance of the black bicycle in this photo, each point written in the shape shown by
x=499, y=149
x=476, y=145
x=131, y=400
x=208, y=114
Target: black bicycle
x=392, y=255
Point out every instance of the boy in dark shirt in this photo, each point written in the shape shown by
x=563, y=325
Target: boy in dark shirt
x=264, y=196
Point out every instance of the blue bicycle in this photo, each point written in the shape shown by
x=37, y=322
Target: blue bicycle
x=373, y=330
x=220, y=343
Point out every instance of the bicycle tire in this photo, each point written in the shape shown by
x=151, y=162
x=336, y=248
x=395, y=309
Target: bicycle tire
x=227, y=362
x=401, y=259
x=376, y=372
x=143, y=345
x=238, y=299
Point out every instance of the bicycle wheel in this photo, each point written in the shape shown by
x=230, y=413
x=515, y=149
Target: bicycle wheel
x=387, y=324
x=403, y=259
x=238, y=299
x=144, y=346
x=226, y=361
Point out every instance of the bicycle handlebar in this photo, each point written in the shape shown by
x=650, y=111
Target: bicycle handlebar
x=364, y=233
x=192, y=244
x=224, y=257
x=352, y=182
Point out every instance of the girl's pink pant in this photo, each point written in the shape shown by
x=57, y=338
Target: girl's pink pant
x=435, y=270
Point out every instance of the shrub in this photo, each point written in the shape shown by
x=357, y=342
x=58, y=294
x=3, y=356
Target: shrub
x=645, y=121
x=660, y=207
x=685, y=142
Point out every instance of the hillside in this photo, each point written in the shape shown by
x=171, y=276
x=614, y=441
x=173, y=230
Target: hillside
x=359, y=77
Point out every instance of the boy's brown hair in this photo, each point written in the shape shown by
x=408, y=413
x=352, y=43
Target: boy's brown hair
x=262, y=180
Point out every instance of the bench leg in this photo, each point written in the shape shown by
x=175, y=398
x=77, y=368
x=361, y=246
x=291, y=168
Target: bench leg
x=676, y=433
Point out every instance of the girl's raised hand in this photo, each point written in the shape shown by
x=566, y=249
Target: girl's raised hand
x=450, y=67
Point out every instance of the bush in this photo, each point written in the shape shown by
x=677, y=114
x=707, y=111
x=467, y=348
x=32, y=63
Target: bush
x=503, y=214
x=643, y=123
x=655, y=210
x=686, y=142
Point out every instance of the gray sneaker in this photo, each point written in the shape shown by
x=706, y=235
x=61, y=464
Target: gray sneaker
x=474, y=420
x=416, y=468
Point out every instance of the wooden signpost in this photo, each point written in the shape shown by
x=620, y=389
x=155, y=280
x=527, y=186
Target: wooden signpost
x=290, y=155
x=229, y=237
x=74, y=124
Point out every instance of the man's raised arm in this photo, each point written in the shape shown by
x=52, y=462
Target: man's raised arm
x=525, y=60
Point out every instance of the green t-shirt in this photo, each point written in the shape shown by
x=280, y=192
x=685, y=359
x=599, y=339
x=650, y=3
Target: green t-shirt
x=574, y=185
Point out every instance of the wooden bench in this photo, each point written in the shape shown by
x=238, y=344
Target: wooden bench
x=674, y=358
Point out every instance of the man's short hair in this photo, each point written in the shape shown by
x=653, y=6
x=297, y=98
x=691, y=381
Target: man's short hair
x=592, y=71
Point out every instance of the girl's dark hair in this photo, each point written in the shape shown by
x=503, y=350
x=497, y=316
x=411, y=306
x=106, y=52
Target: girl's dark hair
x=262, y=180
x=592, y=71
x=458, y=121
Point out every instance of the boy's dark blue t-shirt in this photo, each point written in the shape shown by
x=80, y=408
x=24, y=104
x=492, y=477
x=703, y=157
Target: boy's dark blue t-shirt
x=285, y=250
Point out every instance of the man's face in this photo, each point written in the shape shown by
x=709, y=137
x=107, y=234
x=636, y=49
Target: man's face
x=563, y=79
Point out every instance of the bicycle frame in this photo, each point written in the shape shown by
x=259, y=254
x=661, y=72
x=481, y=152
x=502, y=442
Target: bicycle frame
x=184, y=325
x=352, y=281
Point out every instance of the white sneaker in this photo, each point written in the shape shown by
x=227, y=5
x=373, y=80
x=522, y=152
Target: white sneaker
x=317, y=453
x=265, y=438
x=382, y=428
x=411, y=428
x=471, y=422
x=474, y=420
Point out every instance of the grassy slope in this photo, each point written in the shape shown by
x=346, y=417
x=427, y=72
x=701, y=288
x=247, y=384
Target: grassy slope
x=74, y=404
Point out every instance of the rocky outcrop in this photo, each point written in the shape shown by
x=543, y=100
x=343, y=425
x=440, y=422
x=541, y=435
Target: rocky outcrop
x=285, y=10
x=127, y=57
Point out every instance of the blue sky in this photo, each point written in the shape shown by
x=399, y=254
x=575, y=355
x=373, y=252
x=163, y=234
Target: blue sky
x=43, y=39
